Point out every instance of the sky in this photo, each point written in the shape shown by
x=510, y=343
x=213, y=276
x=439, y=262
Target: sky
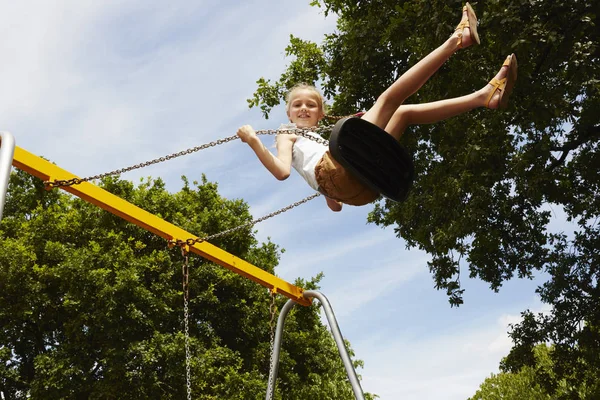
x=96, y=86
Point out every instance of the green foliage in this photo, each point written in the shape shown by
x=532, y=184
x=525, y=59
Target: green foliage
x=535, y=382
x=507, y=386
x=307, y=67
x=91, y=306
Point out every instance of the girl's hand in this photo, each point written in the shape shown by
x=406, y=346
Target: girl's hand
x=247, y=134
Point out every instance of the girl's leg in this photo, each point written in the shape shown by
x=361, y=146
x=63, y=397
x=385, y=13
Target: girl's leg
x=389, y=101
x=429, y=113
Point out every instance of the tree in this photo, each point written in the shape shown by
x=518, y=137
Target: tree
x=532, y=382
x=483, y=178
x=91, y=306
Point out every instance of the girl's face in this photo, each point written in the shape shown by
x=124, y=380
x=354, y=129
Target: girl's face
x=304, y=109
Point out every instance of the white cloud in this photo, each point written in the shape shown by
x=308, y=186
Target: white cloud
x=362, y=289
x=448, y=364
x=338, y=249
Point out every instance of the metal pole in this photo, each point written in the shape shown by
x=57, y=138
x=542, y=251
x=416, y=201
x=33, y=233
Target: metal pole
x=339, y=340
x=7, y=151
x=276, y=348
x=337, y=335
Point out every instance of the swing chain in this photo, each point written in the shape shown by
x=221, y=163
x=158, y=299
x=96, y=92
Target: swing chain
x=304, y=132
x=186, y=321
x=75, y=181
x=272, y=311
x=191, y=242
x=338, y=117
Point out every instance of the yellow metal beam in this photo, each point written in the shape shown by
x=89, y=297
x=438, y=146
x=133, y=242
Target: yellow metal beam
x=47, y=171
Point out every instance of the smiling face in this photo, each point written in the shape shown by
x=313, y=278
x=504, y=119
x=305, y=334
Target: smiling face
x=305, y=107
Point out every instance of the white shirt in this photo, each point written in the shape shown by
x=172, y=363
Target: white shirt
x=306, y=154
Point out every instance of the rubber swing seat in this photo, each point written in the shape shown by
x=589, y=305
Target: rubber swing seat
x=373, y=156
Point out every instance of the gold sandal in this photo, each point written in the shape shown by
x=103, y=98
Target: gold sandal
x=506, y=84
x=470, y=23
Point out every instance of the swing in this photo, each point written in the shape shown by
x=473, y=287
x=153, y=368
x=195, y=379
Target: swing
x=373, y=156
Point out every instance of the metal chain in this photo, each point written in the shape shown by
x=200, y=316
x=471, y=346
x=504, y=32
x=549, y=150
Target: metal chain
x=304, y=132
x=272, y=311
x=186, y=322
x=338, y=117
x=192, y=241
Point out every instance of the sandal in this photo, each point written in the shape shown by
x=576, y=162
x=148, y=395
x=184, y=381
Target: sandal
x=506, y=84
x=470, y=23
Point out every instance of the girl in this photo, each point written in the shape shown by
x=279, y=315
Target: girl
x=304, y=109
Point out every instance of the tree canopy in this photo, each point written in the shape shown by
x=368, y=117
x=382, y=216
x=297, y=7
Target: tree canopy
x=532, y=382
x=91, y=306
x=487, y=180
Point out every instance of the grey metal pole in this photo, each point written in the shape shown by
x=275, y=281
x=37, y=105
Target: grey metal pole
x=339, y=340
x=337, y=335
x=276, y=348
x=7, y=152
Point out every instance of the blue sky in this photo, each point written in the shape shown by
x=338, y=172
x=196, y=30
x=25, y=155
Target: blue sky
x=95, y=86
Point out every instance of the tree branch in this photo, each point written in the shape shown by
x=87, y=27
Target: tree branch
x=592, y=133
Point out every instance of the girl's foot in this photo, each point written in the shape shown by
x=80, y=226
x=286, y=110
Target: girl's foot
x=497, y=92
x=466, y=31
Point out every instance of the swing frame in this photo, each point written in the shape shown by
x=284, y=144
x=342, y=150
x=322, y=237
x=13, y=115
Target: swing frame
x=91, y=193
x=42, y=169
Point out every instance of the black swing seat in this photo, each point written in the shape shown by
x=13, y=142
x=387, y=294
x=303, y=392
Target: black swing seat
x=373, y=156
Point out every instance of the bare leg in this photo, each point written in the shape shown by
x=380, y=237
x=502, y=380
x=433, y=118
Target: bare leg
x=429, y=113
x=389, y=101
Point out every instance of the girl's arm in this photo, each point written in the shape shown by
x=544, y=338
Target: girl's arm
x=280, y=165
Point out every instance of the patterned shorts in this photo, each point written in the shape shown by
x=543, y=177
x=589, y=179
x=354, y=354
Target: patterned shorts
x=337, y=183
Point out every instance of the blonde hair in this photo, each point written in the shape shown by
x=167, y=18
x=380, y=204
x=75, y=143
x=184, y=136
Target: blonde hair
x=305, y=86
